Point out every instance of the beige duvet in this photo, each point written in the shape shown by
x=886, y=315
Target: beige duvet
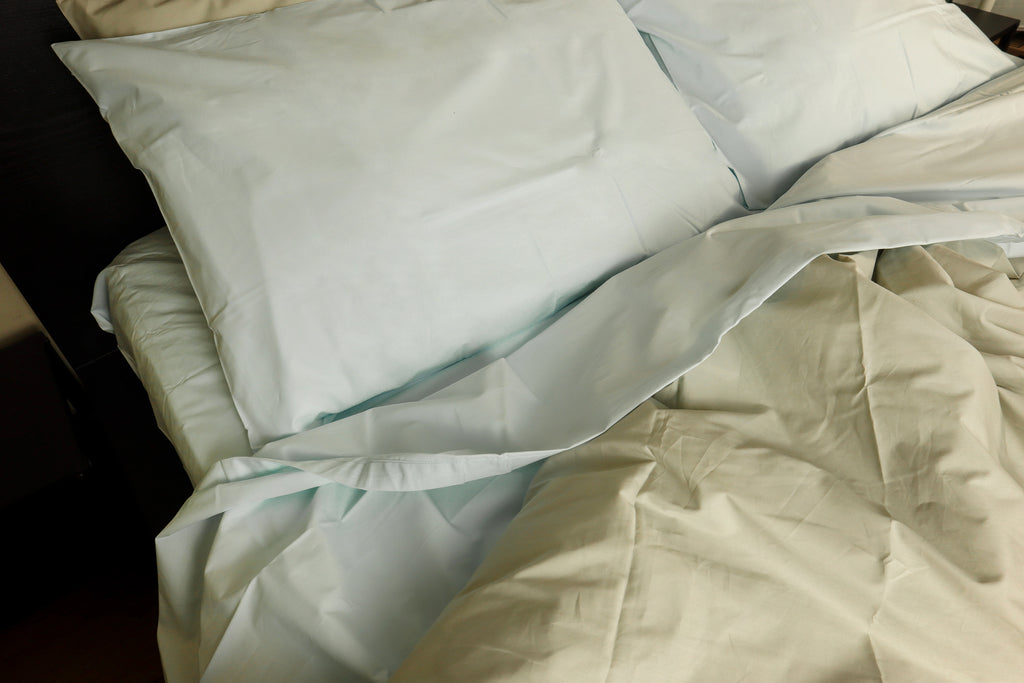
x=836, y=494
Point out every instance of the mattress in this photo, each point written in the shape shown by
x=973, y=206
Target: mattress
x=145, y=299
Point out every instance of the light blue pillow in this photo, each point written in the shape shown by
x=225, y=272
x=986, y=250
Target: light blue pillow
x=780, y=84
x=362, y=195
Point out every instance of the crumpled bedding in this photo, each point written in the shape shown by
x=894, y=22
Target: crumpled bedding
x=276, y=567
x=278, y=564
x=961, y=157
x=837, y=493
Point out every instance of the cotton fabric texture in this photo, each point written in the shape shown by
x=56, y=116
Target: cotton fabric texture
x=112, y=18
x=145, y=299
x=238, y=560
x=965, y=143
x=354, y=216
x=781, y=84
x=819, y=500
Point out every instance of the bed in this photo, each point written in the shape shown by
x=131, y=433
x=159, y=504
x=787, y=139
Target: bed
x=570, y=339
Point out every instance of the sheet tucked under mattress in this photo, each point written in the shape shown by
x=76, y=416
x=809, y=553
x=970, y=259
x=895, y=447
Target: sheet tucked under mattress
x=837, y=493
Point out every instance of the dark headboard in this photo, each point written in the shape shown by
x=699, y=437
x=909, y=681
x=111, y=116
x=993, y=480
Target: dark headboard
x=71, y=200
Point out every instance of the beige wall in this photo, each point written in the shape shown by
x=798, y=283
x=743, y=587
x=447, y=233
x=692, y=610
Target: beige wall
x=1011, y=8
x=16, y=317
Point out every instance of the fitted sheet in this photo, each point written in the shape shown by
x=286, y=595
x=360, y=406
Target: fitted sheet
x=145, y=298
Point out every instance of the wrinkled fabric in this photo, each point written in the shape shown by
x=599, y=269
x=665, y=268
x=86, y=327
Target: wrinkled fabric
x=153, y=312
x=965, y=145
x=434, y=539
x=324, y=583
x=145, y=299
x=588, y=368
x=559, y=389
x=556, y=390
x=837, y=493
x=110, y=18
x=780, y=84
x=363, y=196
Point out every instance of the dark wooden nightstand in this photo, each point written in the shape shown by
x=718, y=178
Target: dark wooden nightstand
x=998, y=28
x=38, y=444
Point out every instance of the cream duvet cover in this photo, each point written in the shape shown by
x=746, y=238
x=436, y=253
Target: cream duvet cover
x=833, y=491
x=837, y=493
